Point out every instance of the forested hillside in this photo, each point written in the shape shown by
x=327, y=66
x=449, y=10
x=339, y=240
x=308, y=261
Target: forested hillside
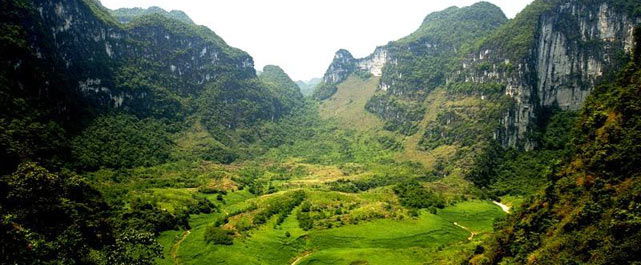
x=135, y=136
x=589, y=213
x=81, y=92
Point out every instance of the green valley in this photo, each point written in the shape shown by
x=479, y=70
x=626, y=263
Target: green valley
x=136, y=136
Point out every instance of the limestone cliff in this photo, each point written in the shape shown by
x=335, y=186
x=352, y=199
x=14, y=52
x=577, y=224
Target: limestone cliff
x=82, y=40
x=550, y=56
x=575, y=44
x=412, y=67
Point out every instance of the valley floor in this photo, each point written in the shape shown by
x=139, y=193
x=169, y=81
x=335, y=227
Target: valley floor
x=441, y=238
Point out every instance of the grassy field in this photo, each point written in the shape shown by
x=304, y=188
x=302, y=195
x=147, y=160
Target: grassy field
x=385, y=240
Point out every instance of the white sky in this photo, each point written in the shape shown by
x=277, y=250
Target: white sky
x=301, y=36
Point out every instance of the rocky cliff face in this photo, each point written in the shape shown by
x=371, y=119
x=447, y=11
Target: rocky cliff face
x=550, y=56
x=344, y=64
x=574, y=46
x=70, y=64
x=118, y=66
x=412, y=67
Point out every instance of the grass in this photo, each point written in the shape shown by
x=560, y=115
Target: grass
x=475, y=215
x=429, y=237
x=347, y=106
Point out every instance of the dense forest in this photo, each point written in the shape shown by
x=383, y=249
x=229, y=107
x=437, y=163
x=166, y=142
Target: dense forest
x=136, y=136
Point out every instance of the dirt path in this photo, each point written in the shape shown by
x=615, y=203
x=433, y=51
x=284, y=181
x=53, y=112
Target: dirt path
x=472, y=234
x=503, y=206
x=174, y=248
x=300, y=258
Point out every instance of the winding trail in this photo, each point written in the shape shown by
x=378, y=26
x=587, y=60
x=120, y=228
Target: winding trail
x=174, y=248
x=503, y=206
x=300, y=258
x=472, y=234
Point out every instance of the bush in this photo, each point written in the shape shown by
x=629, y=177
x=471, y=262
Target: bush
x=305, y=222
x=205, y=206
x=219, y=236
x=413, y=195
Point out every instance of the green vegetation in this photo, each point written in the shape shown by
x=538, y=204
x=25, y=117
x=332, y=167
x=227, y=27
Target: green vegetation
x=587, y=213
x=413, y=195
x=470, y=21
x=514, y=172
x=155, y=142
x=125, y=15
x=101, y=144
x=423, y=60
x=400, y=115
x=518, y=35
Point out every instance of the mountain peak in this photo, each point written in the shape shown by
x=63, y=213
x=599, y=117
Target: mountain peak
x=481, y=16
x=125, y=15
x=343, y=54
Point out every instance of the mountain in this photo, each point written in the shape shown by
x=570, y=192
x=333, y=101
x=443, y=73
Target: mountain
x=550, y=56
x=413, y=66
x=82, y=91
x=126, y=15
x=307, y=87
x=287, y=92
x=79, y=63
x=138, y=137
x=590, y=212
x=556, y=52
x=533, y=106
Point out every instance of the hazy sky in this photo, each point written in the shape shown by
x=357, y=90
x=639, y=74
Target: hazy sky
x=302, y=36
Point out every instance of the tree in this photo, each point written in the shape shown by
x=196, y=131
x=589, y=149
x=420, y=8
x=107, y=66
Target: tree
x=51, y=217
x=134, y=248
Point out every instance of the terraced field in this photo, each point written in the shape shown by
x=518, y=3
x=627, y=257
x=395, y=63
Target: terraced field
x=391, y=237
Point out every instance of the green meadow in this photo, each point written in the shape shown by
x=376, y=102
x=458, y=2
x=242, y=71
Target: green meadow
x=393, y=238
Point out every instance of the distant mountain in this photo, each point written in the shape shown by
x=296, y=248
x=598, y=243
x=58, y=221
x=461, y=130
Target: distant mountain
x=282, y=87
x=412, y=67
x=307, y=87
x=126, y=15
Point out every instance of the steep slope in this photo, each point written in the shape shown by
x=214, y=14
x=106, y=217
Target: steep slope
x=500, y=81
x=550, y=56
x=414, y=66
x=590, y=213
x=347, y=105
x=281, y=86
x=73, y=62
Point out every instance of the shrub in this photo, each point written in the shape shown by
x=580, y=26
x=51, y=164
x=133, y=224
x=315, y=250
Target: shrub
x=413, y=195
x=219, y=236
